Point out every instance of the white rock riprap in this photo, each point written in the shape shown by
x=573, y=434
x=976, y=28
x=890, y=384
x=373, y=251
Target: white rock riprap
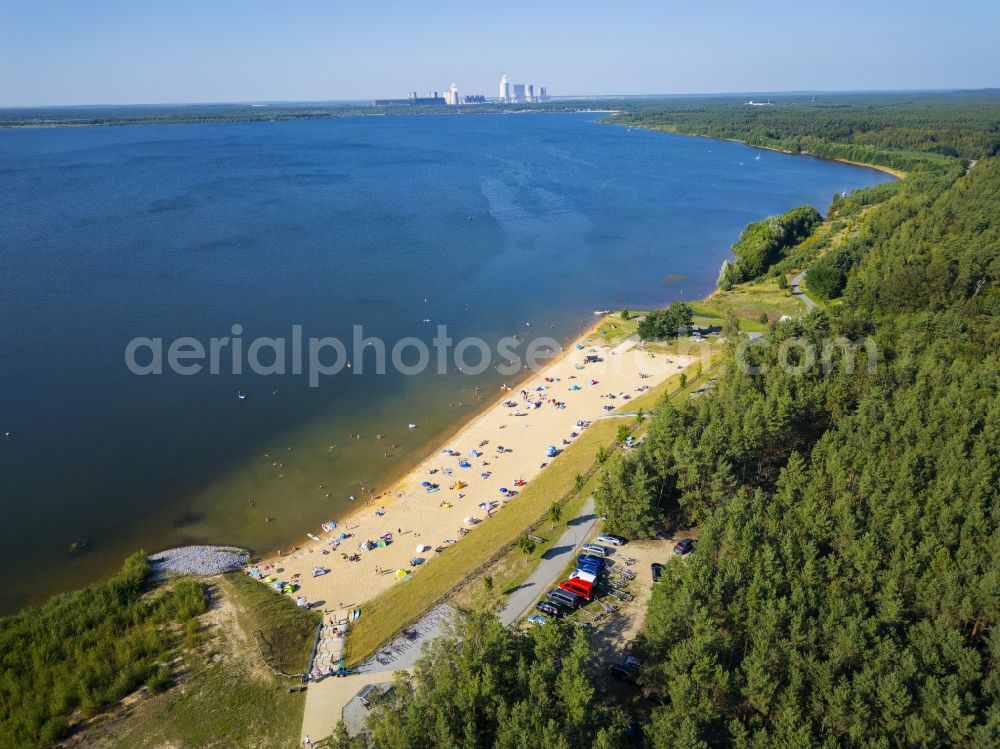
x=198, y=560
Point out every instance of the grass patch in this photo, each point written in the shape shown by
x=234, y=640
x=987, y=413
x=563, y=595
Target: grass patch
x=404, y=603
x=284, y=631
x=613, y=330
x=748, y=301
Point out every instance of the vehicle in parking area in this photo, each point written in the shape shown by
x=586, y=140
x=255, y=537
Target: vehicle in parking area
x=582, y=588
x=580, y=574
x=657, y=569
x=550, y=608
x=623, y=672
x=590, y=559
x=684, y=546
x=607, y=538
x=597, y=549
x=537, y=619
x=589, y=567
x=566, y=598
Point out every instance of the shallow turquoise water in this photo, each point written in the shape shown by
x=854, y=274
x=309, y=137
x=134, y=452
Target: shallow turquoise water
x=166, y=231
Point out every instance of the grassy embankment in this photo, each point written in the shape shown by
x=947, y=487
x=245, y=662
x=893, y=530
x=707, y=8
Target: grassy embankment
x=227, y=694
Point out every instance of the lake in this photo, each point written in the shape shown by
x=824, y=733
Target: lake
x=492, y=225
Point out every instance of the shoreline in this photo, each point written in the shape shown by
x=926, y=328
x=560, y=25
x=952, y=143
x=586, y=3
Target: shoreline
x=488, y=403
x=897, y=173
x=462, y=472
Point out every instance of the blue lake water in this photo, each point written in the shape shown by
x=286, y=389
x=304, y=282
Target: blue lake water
x=496, y=221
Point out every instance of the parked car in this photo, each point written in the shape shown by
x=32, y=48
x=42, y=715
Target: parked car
x=537, y=619
x=581, y=587
x=607, y=538
x=566, y=598
x=590, y=559
x=657, y=569
x=623, y=672
x=550, y=608
x=684, y=546
x=597, y=550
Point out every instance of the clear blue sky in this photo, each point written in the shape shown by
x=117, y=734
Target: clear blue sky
x=143, y=51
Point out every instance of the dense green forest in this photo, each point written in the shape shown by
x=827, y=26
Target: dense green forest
x=87, y=649
x=764, y=243
x=845, y=589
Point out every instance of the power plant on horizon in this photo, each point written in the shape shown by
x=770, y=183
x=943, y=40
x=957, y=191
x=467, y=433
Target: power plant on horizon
x=510, y=93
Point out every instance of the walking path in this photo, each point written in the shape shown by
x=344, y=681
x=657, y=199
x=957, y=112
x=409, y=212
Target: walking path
x=553, y=561
x=797, y=291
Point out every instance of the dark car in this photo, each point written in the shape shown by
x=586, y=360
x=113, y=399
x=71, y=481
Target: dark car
x=657, y=569
x=684, y=546
x=623, y=672
x=565, y=598
x=552, y=609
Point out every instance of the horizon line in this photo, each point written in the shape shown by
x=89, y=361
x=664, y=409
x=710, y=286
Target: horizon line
x=552, y=98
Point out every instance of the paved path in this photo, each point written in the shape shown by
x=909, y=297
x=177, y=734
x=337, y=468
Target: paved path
x=551, y=565
x=797, y=291
x=327, y=698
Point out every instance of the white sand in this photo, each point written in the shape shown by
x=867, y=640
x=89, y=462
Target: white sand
x=421, y=516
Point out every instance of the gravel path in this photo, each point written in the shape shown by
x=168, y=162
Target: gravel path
x=198, y=560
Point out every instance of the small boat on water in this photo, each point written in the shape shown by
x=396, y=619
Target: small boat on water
x=241, y=395
x=602, y=312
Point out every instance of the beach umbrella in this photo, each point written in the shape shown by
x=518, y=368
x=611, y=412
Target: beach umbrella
x=425, y=483
x=422, y=548
x=402, y=573
x=300, y=601
x=504, y=490
x=465, y=464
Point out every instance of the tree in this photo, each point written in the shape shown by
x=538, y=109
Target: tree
x=555, y=514
x=625, y=314
x=526, y=545
x=668, y=323
x=622, y=434
x=488, y=583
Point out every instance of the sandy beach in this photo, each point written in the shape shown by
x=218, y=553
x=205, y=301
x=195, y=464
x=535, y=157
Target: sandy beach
x=476, y=473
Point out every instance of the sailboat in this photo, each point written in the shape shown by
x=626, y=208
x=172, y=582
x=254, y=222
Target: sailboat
x=757, y=157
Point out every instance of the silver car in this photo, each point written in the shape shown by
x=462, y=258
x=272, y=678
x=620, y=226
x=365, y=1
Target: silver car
x=601, y=551
x=607, y=538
